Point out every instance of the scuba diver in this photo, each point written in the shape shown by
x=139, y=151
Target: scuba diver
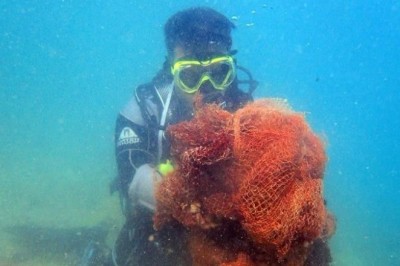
x=199, y=61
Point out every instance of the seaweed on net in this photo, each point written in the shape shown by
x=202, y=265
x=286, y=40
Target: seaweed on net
x=258, y=171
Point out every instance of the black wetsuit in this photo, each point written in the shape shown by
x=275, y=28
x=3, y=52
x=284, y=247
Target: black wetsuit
x=137, y=142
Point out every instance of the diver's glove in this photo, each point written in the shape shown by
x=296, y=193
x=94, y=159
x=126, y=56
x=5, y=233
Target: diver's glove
x=141, y=189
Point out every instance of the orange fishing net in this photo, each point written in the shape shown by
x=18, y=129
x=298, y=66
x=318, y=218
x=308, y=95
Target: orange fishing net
x=248, y=185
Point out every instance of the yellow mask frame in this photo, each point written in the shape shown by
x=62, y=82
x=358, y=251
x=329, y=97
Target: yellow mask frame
x=206, y=69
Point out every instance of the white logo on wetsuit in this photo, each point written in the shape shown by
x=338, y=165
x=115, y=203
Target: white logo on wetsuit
x=127, y=136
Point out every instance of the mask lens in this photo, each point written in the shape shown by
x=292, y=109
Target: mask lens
x=191, y=75
x=219, y=72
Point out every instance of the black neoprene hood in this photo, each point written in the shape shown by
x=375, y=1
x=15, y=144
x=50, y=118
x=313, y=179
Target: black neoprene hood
x=197, y=29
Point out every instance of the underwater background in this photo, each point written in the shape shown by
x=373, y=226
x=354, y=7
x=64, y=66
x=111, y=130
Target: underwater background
x=67, y=68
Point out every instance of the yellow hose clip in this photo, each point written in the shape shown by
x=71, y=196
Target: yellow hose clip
x=165, y=168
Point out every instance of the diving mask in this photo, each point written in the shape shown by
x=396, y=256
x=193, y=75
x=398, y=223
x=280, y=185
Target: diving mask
x=190, y=74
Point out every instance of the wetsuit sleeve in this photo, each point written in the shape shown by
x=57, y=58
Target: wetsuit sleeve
x=133, y=143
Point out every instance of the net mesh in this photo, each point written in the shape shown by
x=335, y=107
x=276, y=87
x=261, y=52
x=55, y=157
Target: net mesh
x=260, y=168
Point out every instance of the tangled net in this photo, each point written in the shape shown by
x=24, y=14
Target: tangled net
x=247, y=185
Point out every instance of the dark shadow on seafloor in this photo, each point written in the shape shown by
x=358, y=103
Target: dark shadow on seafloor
x=49, y=243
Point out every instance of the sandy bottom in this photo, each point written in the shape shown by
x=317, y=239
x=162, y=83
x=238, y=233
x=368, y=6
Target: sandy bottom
x=49, y=216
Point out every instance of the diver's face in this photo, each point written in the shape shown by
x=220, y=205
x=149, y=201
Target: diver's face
x=206, y=89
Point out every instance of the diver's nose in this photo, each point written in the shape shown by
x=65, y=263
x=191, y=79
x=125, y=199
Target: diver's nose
x=206, y=88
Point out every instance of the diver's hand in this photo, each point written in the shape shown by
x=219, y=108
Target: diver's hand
x=141, y=189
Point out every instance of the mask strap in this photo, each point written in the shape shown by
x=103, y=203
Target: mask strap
x=252, y=83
